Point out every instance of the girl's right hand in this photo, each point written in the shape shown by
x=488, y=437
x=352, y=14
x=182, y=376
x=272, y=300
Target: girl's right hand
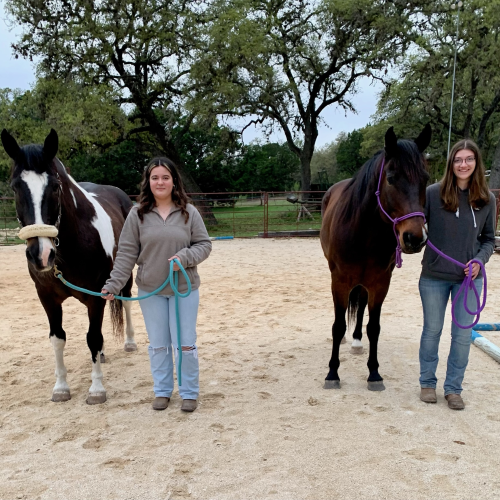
x=108, y=296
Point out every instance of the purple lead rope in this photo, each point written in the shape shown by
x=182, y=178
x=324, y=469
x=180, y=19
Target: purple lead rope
x=467, y=284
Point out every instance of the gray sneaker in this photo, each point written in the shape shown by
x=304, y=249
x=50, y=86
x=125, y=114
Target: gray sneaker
x=428, y=395
x=189, y=405
x=160, y=403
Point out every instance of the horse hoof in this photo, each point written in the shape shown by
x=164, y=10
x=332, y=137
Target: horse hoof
x=96, y=398
x=130, y=347
x=377, y=385
x=60, y=397
x=357, y=349
x=332, y=384
x=343, y=341
x=102, y=357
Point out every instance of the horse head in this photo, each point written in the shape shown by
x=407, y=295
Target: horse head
x=37, y=189
x=403, y=184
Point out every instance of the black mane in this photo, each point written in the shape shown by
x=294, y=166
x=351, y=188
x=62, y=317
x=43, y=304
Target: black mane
x=360, y=191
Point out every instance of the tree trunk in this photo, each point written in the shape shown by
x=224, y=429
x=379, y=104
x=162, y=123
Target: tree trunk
x=495, y=169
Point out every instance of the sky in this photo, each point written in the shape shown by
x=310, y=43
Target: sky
x=20, y=74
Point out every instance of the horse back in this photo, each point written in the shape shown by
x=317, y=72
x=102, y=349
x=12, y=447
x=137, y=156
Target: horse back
x=111, y=198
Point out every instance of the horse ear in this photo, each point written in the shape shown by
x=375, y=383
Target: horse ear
x=391, y=143
x=10, y=145
x=51, y=145
x=424, y=139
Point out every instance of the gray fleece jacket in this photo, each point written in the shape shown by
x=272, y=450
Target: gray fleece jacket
x=463, y=235
x=152, y=242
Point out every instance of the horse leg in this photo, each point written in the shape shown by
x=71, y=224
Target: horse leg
x=130, y=344
x=332, y=380
x=57, y=338
x=95, y=341
x=375, y=381
x=357, y=346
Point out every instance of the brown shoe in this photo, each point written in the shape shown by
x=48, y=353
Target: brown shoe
x=160, y=403
x=428, y=395
x=189, y=405
x=455, y=401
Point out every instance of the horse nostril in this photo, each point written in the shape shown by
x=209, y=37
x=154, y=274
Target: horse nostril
x=411, y=240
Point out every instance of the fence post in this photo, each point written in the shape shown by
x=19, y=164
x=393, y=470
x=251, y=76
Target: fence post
x=266, y=214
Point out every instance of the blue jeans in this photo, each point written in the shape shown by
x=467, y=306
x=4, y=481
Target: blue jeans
x=435, y=294
x=161, y=325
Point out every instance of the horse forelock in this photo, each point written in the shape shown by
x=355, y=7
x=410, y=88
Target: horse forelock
x=410, y=161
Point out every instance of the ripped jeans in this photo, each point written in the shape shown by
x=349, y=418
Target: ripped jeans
x=161, y=325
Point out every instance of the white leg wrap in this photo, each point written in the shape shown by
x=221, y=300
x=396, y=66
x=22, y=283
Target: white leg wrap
x=97, y=388
x=61, y=384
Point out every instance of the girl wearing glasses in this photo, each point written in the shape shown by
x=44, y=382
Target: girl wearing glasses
x=460, y=213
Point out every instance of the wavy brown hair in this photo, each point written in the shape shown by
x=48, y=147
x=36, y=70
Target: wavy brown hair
x=479, y=194
x=146, y=198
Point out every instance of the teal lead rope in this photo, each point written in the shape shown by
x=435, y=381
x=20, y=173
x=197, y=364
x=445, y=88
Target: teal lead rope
x=173, y=279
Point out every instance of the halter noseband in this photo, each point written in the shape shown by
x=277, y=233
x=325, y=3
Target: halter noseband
x=397, y=220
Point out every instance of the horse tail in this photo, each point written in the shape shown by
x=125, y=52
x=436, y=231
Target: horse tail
x=353, y=304
x=116, y=313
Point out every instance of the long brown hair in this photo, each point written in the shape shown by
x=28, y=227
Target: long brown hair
x=146, y=198
x=479, y=195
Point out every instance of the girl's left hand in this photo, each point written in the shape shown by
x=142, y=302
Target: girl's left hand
x=475, y=270
x=176, y=267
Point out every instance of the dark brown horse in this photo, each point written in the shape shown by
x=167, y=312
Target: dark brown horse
x=76, y=227
x=359, y=244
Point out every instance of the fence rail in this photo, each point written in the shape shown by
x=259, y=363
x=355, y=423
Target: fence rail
x=239, y=214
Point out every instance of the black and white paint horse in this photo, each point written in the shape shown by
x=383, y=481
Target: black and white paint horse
x=87, y=220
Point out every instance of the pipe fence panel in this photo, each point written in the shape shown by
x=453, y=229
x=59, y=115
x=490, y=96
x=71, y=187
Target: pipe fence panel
x=239, y=214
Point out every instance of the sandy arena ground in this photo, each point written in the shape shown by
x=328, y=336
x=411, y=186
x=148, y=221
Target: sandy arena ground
x=265, y=428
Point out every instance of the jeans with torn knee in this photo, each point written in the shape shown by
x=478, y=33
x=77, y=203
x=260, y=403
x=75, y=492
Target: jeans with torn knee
x=161, y=325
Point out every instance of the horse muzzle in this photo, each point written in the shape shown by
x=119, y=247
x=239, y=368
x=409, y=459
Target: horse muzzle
x=40, y=253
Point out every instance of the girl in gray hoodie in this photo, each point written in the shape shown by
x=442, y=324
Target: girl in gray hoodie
x=460, y=213
x=164, y=226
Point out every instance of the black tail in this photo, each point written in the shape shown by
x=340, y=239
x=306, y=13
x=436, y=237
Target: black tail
x=353, y=304
x=116, y=313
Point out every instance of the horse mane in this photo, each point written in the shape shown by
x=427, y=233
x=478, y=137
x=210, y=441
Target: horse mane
x=359, y=193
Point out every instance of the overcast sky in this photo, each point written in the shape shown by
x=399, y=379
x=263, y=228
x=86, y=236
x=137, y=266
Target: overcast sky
x=20, y=73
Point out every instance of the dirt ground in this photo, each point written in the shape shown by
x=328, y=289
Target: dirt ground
x=265, y=427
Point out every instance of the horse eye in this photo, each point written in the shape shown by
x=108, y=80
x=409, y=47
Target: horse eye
x=390, y=179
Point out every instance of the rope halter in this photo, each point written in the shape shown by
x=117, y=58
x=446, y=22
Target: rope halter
x=397, y=220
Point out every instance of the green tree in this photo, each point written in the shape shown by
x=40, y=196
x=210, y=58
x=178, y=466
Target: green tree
x=349, y=155
x=424, y=94
x=266, y=167
x=324, y=163
x=143, y=50
x=86, y=119
x=287, y=61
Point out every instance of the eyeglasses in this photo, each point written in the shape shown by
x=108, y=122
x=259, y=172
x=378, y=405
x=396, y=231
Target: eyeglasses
x=470, y=160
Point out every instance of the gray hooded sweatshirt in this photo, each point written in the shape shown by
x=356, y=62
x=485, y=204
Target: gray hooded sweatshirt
x=463, y=235
x=152, y=242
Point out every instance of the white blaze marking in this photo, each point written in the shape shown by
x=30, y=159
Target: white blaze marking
x=36, y=185
x=102, y=221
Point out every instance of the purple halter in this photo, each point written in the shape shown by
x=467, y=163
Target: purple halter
x=397, y=220
x=467, y=284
